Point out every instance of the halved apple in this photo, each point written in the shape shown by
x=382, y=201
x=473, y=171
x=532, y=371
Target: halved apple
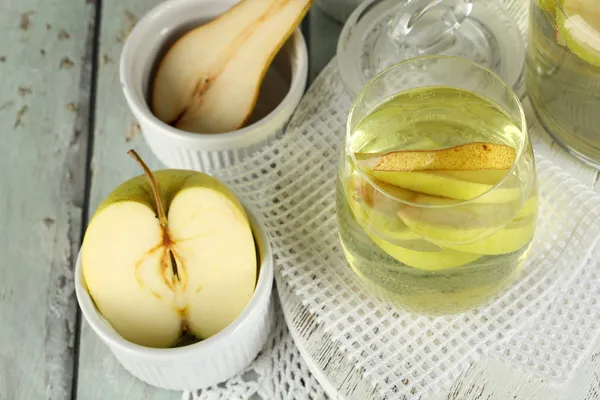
x=157, y=257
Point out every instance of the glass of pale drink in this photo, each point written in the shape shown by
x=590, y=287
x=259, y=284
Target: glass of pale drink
x=436, y=193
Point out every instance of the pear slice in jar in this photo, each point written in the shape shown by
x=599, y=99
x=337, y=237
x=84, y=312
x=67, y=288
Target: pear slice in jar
x=375, y=211
x=461, y=224
x=513, y=237
x=578, y=28
x=434, y=259
x=461, y=172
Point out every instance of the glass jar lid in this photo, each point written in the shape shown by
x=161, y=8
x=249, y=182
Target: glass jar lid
x=380, y=33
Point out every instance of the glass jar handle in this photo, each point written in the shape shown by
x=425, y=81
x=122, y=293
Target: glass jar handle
x=404, y=28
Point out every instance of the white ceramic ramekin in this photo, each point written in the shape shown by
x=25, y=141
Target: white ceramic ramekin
x=179, y=149
x=202, y=364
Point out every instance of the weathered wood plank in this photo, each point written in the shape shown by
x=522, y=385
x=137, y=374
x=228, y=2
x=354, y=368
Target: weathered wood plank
x=326, y=361
x=492, y=379
x=44, y=94
x=100, y=376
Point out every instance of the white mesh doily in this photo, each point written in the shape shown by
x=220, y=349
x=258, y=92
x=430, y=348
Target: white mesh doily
x=544, y=323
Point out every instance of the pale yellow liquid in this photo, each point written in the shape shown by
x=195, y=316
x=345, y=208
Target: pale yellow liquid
x=564, y=89
x=413, y=120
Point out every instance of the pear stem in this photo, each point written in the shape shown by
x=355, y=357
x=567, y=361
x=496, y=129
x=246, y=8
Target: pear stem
x=162, y=217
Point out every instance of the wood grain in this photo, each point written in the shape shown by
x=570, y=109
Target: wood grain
x=100, y=376
x=44, y=91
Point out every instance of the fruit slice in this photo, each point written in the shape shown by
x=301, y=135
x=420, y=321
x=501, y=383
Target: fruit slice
x=376, y=212
x=462, y=224
x=470, y=156
x=450, y=184
x=426, y=260
x=513, y=237
x=457, y=224
x=209, y=80
x=579, y=29
x=530, y=207
x=384, y=198
x=462, y=172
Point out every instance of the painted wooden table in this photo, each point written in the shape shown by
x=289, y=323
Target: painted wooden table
x=65, y=130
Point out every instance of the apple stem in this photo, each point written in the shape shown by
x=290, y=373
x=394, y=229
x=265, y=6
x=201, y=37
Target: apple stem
x=162, y=217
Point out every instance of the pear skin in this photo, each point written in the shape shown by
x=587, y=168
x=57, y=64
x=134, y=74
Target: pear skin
x=461, y=172
x=465, y=157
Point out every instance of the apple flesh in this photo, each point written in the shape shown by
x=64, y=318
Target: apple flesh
x=209, y=80
x=155, y=274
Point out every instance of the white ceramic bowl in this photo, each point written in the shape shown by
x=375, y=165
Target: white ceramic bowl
x=180, y=149
x=202, y=364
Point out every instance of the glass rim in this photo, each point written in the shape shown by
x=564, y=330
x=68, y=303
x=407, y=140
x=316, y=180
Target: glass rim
x=523, y=125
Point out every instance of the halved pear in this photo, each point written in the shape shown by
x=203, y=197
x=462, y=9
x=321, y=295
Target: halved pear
x=209, y=80
x=155, y=272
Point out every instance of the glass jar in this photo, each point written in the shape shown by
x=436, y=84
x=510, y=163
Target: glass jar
x=436, y=193
x=563, y=73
